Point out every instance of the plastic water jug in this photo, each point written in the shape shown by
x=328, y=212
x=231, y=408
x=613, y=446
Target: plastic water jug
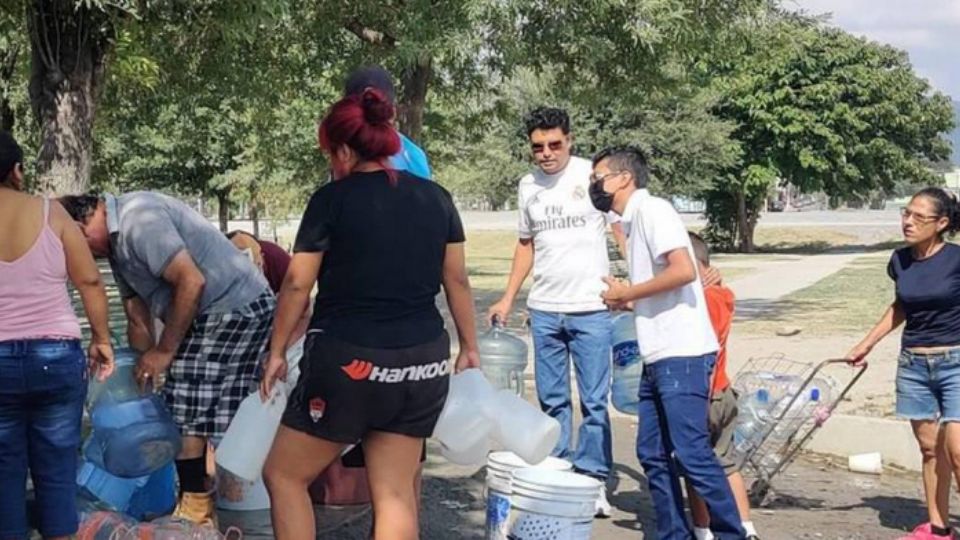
x=503, y=358
x=777, y=385
x=627, y=365
x=523, y=428
x=247, y=441
x=753, y=418
x=815, y=396
x=132, y=438
x=141, y=498
x=465, y=424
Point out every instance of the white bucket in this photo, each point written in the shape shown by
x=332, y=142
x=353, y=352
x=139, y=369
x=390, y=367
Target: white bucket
x=500, y=467
x=463, y=427
x=235, y=493
x=523, y=429
x=547, y=504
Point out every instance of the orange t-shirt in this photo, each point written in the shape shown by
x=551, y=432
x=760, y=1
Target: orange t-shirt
x=720, y=304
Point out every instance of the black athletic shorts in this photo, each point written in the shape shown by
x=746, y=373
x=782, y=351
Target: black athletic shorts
x=346, y=390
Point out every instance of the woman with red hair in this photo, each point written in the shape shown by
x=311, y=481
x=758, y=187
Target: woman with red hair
x=379, y=244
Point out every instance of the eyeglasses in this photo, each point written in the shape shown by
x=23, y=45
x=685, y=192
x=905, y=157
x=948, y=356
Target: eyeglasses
x=908, y=215
x=594, y=178
x=554, y=146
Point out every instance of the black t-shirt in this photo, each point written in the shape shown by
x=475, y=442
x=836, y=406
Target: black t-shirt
x=384, y=245
x=928, y=291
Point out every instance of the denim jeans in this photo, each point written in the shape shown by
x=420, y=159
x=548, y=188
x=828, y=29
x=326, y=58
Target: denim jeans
x=43, y=384
x=586, y=337
x=673, y=437
x=928, y=386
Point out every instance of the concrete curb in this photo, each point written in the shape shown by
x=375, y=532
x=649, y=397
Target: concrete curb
x=843, y=435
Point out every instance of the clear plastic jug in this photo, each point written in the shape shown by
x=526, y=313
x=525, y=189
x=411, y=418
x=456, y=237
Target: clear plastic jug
x=133, y=432
x=627, y=365
x=753, y=418
x=503, y=358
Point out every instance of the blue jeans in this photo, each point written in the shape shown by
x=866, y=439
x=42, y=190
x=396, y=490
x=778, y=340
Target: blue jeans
x=587, y=338
x=43, y=384
x=928, y=386
x=673, y=434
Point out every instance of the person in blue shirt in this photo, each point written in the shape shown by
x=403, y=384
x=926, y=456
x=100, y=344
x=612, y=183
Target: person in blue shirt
x=411, y=157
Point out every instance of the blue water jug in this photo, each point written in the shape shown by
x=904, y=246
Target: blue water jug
x=627, y=365
x=142, y=498
x=133, y=432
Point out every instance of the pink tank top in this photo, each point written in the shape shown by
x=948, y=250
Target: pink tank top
x=34, y=302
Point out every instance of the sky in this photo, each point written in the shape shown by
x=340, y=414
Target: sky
x=929, y=30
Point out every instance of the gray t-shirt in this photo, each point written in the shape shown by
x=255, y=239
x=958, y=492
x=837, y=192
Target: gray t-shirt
x=148, y=229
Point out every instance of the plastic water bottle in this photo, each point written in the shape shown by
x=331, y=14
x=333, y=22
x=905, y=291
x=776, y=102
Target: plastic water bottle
x=627, y=365
x=817, y=393
x=753, y=419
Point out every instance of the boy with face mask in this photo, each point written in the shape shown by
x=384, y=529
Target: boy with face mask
x=677, y=344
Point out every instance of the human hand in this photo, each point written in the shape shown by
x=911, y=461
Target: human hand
x=151, y=366
x=467, y=359
x=276, y=369
x=711, y=276
x=615, y=296
x=100, y=360
x=858, y=355
x=500, y=311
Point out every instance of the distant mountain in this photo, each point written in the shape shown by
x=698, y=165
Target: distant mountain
x=954, y=135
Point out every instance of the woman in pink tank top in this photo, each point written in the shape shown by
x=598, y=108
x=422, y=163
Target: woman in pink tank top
x=43, y=368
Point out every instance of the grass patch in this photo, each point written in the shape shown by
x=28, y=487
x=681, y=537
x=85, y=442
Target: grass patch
x=849, y=301
x=489, y=256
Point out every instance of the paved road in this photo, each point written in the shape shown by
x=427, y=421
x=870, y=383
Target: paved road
x=813, y=499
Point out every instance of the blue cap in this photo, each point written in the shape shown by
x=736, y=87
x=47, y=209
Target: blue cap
x=762, y=395
x=815, y=394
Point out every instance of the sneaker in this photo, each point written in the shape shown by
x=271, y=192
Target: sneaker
x=925, y=532
x=603, y=506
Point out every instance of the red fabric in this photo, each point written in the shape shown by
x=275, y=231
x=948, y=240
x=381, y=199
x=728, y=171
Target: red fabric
x=720, y=304
x=276, y=260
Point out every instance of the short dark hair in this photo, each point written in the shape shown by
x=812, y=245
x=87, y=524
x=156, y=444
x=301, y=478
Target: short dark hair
x=547, y=118
x=700, y=249
x=10, y=154
x=946, y=206
x=627, y=158
x=370, y=77
x=80, y=207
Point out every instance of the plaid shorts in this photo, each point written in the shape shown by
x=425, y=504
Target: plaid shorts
x=216, y=367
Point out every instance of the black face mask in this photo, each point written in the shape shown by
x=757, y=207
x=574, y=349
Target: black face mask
x=601, y=200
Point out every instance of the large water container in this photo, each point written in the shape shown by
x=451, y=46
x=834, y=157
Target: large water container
x=627, y=365
x=754, y=416
x=503, y=358
x=133, y=432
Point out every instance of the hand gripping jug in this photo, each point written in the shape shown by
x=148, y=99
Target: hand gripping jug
x=503, y=358
x=133, y=432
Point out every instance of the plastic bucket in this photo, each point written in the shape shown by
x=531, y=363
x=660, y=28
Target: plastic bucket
x=237, y=494
x=558, y=505
x=500, y=467
x=523, y=429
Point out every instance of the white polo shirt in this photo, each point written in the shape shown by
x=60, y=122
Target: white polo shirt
x=569, y=239
x=673, y=323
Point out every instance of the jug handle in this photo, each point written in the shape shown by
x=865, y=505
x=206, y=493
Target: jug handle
x=231, y=530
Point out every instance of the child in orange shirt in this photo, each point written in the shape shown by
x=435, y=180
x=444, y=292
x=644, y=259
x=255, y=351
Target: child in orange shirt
x=723, y=401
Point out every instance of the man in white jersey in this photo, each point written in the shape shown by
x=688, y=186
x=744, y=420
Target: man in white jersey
x=562, y=238
x=677, y=343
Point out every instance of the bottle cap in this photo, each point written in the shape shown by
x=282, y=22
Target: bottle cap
x=815, y=394
x=762, y=395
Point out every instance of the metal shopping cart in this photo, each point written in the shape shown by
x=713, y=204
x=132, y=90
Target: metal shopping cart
x=798, y=407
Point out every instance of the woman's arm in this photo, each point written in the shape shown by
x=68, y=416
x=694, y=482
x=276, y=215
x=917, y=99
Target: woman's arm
x=456, y=285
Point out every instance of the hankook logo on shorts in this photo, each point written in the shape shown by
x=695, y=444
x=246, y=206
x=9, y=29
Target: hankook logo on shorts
x=359, y=370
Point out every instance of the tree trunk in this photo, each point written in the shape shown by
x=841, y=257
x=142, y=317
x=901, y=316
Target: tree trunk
x=416, y=81
x=223, y=210
x=746, y=224
x=255, y=214
x=8, y=67
x=69, y=43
